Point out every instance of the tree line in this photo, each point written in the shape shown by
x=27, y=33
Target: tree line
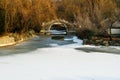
x=19, y=16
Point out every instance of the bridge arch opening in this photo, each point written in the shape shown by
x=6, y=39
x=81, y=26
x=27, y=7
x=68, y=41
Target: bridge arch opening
x=58, y=29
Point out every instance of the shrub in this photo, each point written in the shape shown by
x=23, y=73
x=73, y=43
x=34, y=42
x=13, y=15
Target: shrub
x=85, y=33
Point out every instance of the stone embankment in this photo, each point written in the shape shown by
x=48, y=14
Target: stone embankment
x=14, y=38
x=102, y=41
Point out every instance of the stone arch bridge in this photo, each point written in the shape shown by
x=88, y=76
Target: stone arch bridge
x=69, y=27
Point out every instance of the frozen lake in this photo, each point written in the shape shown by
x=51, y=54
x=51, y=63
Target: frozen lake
x=43, y=58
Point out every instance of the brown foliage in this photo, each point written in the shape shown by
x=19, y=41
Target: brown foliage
x=24, y=15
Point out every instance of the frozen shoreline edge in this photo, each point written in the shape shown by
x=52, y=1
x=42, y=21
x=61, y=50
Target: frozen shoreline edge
x=12, y=40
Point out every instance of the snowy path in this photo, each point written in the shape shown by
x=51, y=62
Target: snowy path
x=60, y=63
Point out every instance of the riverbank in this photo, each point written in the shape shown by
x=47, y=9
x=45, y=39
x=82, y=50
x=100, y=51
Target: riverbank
x=14, y=38
x=102, y=41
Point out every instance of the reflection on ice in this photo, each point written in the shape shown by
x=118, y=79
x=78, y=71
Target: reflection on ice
x=55, y=32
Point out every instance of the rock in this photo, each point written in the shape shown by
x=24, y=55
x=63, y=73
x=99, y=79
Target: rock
x=105, y=43
x=115, y=43
x=85, y=41
x=102, y=41
x=99, y=41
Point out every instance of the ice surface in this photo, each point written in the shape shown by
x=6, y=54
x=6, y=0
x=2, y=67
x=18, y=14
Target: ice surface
x=61, y=63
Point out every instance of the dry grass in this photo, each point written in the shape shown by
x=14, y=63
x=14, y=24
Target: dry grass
x=6, y=41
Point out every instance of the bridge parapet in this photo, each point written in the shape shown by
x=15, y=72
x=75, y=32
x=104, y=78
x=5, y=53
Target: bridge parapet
x=47, y=26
